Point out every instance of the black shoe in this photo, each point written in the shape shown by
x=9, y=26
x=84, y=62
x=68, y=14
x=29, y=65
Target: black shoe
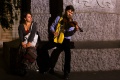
x=66, y=76
x=51, y=71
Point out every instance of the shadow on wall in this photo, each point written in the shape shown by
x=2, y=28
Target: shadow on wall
x=25, y=7
x=56, y=8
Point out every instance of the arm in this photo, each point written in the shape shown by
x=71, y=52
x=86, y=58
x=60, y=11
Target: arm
x=20, y=32
x=71, y=31
x=52, y=27
x=32, y=34
x=21, y=35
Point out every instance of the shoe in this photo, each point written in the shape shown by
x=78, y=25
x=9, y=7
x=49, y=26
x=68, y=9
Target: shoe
x=66, y=76
x=51, y=71
x=37, y=70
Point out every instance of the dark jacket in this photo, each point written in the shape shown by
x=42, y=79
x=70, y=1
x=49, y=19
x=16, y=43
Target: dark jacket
x=22, y=32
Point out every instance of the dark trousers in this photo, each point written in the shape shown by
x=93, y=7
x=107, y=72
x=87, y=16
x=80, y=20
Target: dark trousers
x=43, y=59
x=65, y=46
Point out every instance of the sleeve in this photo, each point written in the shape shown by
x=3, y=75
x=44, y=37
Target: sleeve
x=20, y=32
x=52, y=27
x=70, y=31
x=33, y=31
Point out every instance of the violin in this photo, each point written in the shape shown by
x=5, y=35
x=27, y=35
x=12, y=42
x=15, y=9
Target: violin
x=72, y=23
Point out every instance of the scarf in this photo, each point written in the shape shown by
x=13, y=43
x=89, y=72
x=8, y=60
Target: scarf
x=60, y=30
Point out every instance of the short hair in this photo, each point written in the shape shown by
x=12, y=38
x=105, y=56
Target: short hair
x=70, y=7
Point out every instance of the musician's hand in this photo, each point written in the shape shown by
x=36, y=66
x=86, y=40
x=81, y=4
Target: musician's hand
x=55, y=34
x=77, y=27
x=24, y=45
x=28, y=44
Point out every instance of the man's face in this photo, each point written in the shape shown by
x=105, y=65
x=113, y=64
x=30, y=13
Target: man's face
x=69, y=13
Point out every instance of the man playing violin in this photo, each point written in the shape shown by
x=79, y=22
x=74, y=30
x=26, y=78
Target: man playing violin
x=63, y=28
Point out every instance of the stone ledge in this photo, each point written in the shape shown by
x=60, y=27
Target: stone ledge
x=86, y=55
x=96, y=44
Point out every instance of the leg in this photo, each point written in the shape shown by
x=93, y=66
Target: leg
x=53, y=59
x=43, y=57
x=67, y=61
x=66, y=45
x=43, y=61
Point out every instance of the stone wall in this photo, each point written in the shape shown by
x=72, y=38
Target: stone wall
x=100, y=21
x=41, y=14
x=98, y=18
x=11, y=34
x=6, y=35
x=16, y=24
